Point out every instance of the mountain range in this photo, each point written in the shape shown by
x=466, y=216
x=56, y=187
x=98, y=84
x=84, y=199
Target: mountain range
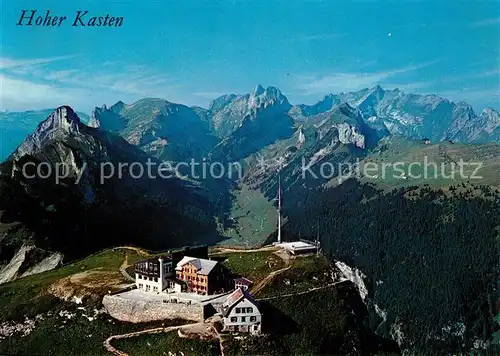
x=175, y=131
x=414, y=116
x=44, y=222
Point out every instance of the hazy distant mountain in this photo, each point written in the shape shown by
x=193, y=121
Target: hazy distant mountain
x=412, y=115
x=482, y=128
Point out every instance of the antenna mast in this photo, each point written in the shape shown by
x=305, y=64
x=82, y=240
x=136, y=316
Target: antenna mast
x=279, y=206
x=317, y=236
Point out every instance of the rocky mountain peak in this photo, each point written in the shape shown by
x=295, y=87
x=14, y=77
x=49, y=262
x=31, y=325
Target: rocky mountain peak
x=94, y=121
x=63, y=121
x=63, y=118
x=117, y=107
x=378, y=92
x=490, y=112
x=219, y=103
x=271, y=96
x=491, y=119
x=259, y=89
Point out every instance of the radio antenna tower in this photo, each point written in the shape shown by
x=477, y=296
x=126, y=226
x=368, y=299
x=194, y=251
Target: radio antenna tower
x=279, y=206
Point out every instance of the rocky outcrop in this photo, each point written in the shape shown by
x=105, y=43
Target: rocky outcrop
x=350, y=135
x=355, y=276
x=50, y=262
x=29, y=260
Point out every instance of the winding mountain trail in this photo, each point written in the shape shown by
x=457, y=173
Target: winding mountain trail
x=259, y=286
x=202, y=329
x=115, y=351
x=123, y=269
x=304, y=292
x=139, y=251
x=223, y=250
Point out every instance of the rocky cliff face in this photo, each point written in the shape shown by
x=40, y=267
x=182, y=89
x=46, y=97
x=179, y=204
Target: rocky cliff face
x=29, y=260
x=15, y=126
x=61, y=124
x=251, y=122
x=350, y=134
x=230, y=111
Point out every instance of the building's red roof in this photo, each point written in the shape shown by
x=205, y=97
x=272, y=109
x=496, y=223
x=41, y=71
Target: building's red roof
x=243, y=281
x=235, y=297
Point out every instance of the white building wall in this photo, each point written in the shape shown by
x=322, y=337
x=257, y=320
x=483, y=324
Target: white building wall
x=244, y=303
x=148, y=284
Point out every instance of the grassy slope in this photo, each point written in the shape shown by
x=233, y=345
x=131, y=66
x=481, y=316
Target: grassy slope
x=28, y=296
x=302, y=325
x=304, y=273
x=162, y=344
x=445, y=154
x=255, y=218
x=55, y=337
x=300, y=322
x=307, y=324
x=253, y=265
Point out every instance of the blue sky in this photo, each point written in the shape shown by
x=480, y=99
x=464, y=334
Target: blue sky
x=192, y=51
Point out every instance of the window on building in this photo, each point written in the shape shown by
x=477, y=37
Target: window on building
x=234, y=319
x=140, y=285
x=249, y=310
x=238, y=310
x=253, y=318
x=139, y=276
x=243, y=319
x=155, y=289
x=156, y=279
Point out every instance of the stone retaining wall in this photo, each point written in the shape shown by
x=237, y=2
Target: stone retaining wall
x=136, y=311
